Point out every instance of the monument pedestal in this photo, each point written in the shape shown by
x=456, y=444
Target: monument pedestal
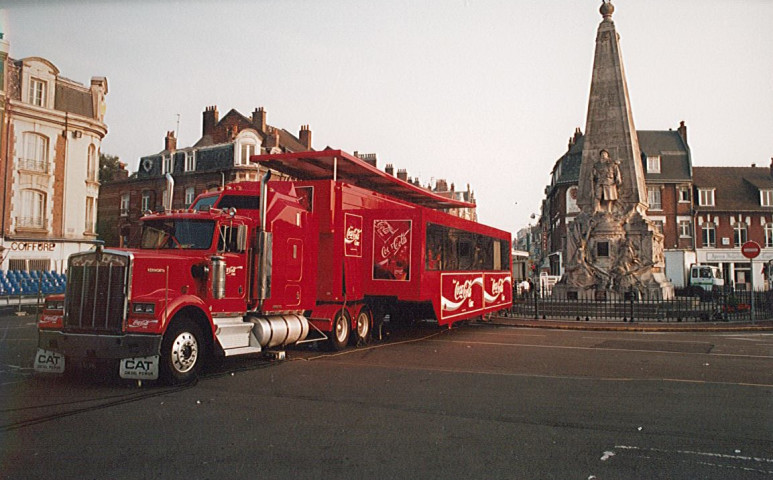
x=610, y=255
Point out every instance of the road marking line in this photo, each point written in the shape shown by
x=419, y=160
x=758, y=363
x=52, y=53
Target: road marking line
x=564, y=347
x=533, y=375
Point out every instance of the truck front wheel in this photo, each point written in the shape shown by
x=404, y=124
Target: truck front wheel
x=182, y=352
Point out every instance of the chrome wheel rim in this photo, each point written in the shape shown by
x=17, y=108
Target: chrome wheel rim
x=341, y=328
x=185, y=352
x=363, y=324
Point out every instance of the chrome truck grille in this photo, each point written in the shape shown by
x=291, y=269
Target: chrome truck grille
x=97, y=291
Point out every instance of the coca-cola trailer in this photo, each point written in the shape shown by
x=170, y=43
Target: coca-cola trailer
x=258, y=266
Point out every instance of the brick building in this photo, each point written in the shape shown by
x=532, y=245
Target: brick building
x=219, y=157
x=734, y=205
x=50, y=137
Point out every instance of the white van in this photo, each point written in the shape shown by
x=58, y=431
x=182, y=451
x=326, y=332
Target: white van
x=707, y=277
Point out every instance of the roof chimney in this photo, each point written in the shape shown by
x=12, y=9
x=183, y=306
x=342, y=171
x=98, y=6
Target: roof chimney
x=369, y=158
x=170, y=142
x=209, y=121
x=305, y=136
x=441, y=185
x=682, y=131
x=259, y=119
x=771, y=167
x=272, y=140
x=389, y=169
x=402, y=174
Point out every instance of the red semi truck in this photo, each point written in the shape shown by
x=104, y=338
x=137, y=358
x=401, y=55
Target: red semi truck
x=258, y=266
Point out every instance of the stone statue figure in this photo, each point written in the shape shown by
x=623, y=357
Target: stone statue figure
x=579, y=268
x=606, y=180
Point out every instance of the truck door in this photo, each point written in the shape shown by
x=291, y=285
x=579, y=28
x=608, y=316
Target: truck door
x=232, y=249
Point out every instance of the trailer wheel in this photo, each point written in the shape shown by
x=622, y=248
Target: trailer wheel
x=363, y=326
x=182, y=352
x=339, y=337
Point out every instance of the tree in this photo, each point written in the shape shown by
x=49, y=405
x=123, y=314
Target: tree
x=109, y=166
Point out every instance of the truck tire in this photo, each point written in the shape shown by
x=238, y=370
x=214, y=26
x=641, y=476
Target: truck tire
x=342, y=327
x=363, y=326
x=182, y=352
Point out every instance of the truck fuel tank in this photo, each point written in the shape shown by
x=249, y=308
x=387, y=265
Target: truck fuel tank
x=277, y=330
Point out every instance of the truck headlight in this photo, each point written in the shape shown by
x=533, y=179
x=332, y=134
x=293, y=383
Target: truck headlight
x=55, y=305
x=144, y=308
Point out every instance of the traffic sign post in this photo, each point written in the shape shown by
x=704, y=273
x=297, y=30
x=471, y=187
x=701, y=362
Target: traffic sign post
x=751, y=250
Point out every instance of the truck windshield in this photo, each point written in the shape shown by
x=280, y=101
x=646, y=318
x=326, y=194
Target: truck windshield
x=205, y=203
x=177, y=234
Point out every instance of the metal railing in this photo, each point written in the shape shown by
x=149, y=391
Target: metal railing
x=731, y=306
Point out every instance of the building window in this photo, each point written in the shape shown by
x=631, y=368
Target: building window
x=685, y=228
x=602, y=249
x=709, y=235
x=766, y=198
x=166, y=165
x=653, y=197
x=37, y=92
x=769, y=234
x=653, y=164
x=190, y=161
x=706, y=197
x=33, y=209
x=658, y=225
x=684, y=194
x=190, y=195
x=91, y=164
x=125, y=204
x=35, y=153
x=245, y=152
x=145, y=205
x=90, y=201
x=740, y=233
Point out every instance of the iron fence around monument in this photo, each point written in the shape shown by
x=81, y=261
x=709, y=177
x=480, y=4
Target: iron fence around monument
x=687, y=306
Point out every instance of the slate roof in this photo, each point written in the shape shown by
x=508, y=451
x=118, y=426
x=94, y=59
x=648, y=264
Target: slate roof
x=675, y=161
x=736, y=188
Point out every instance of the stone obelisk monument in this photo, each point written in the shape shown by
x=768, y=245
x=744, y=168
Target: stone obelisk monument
x=612, y=249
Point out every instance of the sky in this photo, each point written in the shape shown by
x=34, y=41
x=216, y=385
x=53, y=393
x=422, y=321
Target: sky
x=478, y=92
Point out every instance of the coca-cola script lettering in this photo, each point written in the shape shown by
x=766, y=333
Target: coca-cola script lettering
x=391, y=249
x=353, y=236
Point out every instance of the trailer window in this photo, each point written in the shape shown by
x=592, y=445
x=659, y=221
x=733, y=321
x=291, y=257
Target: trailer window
x=454, y=249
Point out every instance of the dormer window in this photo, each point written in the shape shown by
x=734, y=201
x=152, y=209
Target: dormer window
x=653, y=164
x=190, y=161
x=246, y=150
x=766, y=198
x=706, y=197
x=167, y=163
x=37, y=92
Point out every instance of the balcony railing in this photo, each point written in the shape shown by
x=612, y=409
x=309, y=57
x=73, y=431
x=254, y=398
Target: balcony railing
x=34, y=165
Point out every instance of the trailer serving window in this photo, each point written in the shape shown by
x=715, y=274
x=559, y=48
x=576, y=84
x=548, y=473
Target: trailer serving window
x=450, y=248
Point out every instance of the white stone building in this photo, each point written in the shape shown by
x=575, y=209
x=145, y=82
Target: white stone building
x=51, y=131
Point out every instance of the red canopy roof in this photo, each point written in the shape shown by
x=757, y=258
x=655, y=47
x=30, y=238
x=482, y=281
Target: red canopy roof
x=339, y=165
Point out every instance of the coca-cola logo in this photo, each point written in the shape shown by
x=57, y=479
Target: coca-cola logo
x=353, y=235
x=462, y=290
x=383, y=228
x=398, y=242
x=497, y=286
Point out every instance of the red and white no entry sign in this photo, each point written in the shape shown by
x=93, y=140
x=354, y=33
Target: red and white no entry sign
x=751, y=250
